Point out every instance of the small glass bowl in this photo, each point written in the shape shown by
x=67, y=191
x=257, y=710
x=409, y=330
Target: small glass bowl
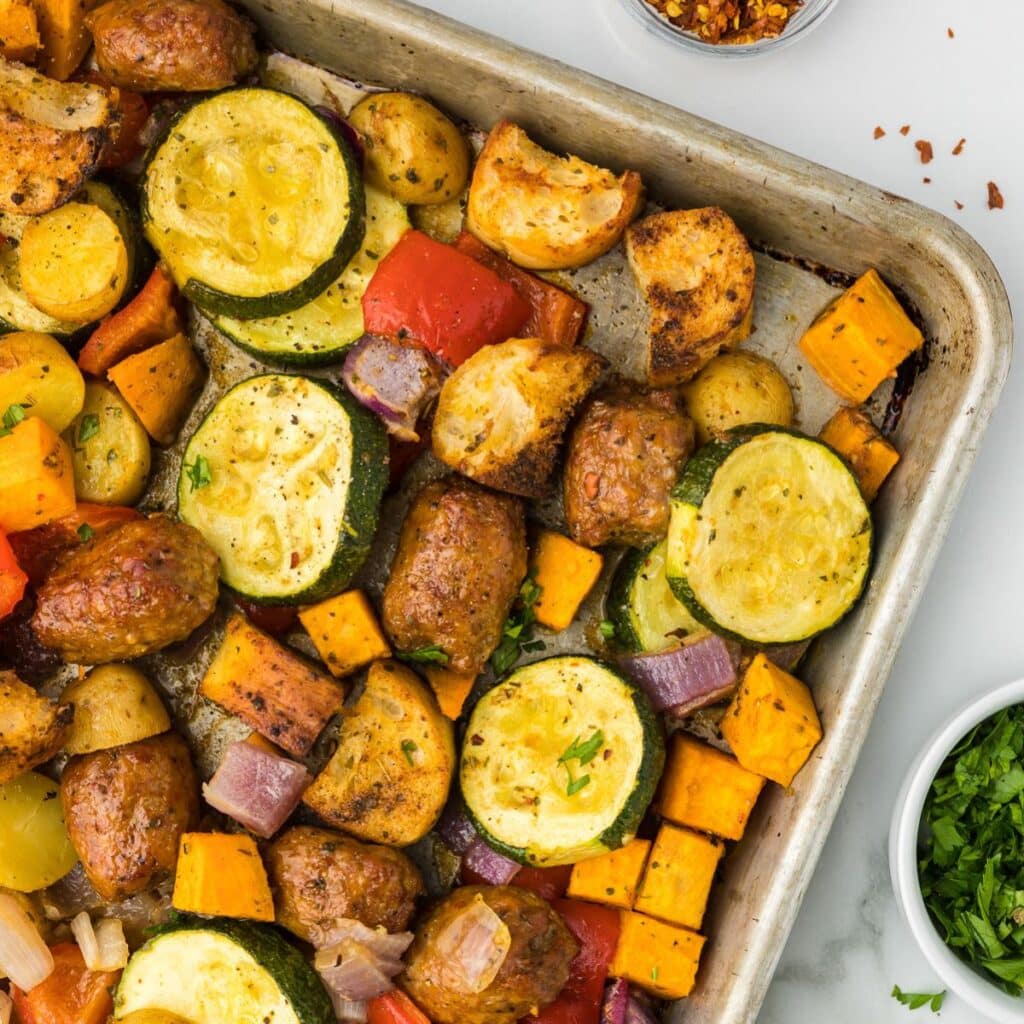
x=812, y=14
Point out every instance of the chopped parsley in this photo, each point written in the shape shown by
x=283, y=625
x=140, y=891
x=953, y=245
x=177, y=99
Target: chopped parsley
x=85, y=532
x=199, y=473
x=12, y=417
x=583, y=751
x=607, y=629
x=409, y=748
x=431, y=655
x=517, y=633
x=971, y=863
x=89, y=426
x=915, y=1000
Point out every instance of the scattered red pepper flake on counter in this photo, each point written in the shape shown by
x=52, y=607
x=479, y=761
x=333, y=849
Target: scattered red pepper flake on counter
x=958, y=204
x=949, y=32
x=905, y=130
x=729, y=21
x=924, y=147
x=995, y=197
x=879, y=131
x=927, y=181
x=959, y=147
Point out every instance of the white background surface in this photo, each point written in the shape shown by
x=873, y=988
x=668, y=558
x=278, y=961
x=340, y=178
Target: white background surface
x=888, y=63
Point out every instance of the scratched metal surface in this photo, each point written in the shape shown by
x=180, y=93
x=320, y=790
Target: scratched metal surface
x=786, y=205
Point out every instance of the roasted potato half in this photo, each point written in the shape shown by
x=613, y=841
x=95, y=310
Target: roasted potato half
x=412, y=150
x=173, y=45
x=52, y=136
x=389, y=778
x=37, y=373
x=737, y=388
x=32, y=728
x=543, y=211
x=501, y=415
x=696, y=271
x=109, y=448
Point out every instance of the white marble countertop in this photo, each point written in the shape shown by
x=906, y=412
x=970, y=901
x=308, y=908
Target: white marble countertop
x=888, y=63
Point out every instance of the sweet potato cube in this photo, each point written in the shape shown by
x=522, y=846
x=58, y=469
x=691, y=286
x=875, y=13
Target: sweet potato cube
x=345, y=632
x=613, y=877
x=159, y=384
x=771, y=725
x=655, y=956
x=450, y=688
x=860, y=338
x=221, y=875
x=858, y=440
x=19, y=31
x=680, y=871
x=270, y=688
x=565, y=573
x=706, y=789
x=37, y=480
x=65, y=38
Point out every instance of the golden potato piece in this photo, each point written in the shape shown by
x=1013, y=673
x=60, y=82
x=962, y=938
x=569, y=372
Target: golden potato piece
x=52, y=136
x=501, y=415
x=543, y=211
x=180, y=45
x=37, y=373
x=32, y=728
x=696, y=271
x=737, y=388
x=413, y=151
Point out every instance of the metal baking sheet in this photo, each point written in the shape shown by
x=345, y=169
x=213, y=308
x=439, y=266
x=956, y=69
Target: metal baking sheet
x=786, y=205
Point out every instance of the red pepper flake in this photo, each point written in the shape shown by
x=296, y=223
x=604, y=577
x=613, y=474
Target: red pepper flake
x=995, y=197
x=959, y=147
x=927, y=181
x=949, y=32
x=924, y=147
x=879, y=131
x=905, y=130
x=295, y=559
x=958, y=204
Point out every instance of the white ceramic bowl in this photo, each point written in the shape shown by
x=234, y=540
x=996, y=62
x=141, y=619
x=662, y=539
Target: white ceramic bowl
x=983, y=996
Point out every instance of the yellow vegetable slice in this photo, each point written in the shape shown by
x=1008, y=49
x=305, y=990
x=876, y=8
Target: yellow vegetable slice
x=37, y=373
x=35, y=850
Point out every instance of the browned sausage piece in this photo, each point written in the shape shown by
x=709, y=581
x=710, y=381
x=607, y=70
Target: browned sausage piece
x=533, y=973
x=460, y=561
x=126, y=809
x=623, y=458
x=128, y=592
x=319, y=875
x=179, y=45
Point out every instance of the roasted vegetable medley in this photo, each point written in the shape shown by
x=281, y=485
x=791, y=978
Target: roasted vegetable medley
x=378, y=643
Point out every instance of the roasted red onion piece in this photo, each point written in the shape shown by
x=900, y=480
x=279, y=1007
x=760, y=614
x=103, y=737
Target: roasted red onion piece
x=493, y=867
x=616, y=999
x=384, y=945
x=699, y=672
x=454, y=829
x=394, y=381
x=473, y=945
x=347, y=132
x=788, y=656
x=256, y=788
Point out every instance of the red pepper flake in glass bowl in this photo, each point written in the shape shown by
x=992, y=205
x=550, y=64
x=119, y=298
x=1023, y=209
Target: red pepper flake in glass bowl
x=729, y=21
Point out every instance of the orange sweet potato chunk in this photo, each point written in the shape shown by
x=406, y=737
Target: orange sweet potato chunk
x=612, y=878
x=657, y=957
x=858, y=440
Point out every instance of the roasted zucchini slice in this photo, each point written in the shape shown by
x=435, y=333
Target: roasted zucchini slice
x=647, y=615
x=284, y=479
x=320, y=331
x=254, y=202
x=564, y=759
x=213, y=970
x=770, y=537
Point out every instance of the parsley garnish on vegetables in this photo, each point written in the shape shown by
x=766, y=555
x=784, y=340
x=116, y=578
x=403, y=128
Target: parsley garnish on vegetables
x=607, y=629
x=12, y=417
x=88, y=427
x=432, y=655
x=85, y=532
x=409, y=748
x=199, y=473
x=517, y=633
x=583, y=751
x=915, y=1000
x=971, y=866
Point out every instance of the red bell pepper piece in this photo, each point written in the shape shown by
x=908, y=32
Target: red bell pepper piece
x=596, y=929
x=13, y=579
x=440, y=297
x=555, y=315
x=395, y=1007
x=275, y=619
x=71, y=995
x=38, y=549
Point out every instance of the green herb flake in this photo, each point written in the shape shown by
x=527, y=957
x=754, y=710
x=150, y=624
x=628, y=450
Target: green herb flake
x=12, y=417
x=971, y=861
x=915, y=1000
x=517, y=633
x=575, y=785
x=584, y=752
x=409, y=748
x=432, y=655
x=88, y=427
x=85, y=532
x=607, y=629
x=199, y=473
